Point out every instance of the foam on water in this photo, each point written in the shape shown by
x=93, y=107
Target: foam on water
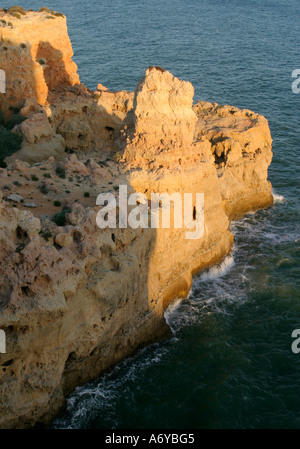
x=277, y=197
x=218, y=270
x=171, y=309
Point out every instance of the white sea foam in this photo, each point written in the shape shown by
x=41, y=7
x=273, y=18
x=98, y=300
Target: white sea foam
x=171, y=308
x=175, y=320
x=218, y=270
x=278, y=198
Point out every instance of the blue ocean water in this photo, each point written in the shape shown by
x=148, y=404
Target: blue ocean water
x=229, y=364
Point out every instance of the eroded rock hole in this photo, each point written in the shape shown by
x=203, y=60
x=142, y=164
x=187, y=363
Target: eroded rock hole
x=21, y=235
x=26, y=290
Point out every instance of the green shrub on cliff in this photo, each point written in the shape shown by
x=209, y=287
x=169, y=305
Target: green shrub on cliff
x=16, y=119
x=61, y=172
x=46, y=234
x=14, y=109
x=17, y=9
x=9, y=142
x=1, y=118
x=15, y=14
x=56, y=14
x=60, y=217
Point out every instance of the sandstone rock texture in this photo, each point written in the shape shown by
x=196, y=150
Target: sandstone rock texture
x=76, y=299
x=163, y=115
x=36, y=54
x=241, y=146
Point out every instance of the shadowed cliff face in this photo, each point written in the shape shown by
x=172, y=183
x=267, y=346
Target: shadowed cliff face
x=55, y=71
x=76, y=299
x=41, y=57
x=36, y=55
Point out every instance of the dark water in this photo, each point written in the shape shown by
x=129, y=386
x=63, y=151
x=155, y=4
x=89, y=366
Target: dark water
x=230, y=362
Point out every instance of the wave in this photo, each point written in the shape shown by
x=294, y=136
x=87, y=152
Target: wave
x=277, y=197
x=102, y=396
x=171, y=309
x=217, y=270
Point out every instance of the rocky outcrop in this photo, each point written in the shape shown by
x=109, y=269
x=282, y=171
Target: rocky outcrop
x=69, y=310
x=162, y=116
x=76, y=299
x=36, y=55
x=241, y=146
x=90, y=122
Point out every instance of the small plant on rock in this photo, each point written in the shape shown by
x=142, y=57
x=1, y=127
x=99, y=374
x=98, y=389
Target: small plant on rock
x=61, y=172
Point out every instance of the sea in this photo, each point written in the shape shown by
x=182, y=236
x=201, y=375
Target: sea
x=229, y=363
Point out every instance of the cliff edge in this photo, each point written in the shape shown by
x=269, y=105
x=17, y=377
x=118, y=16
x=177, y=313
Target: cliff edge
x=76, y=299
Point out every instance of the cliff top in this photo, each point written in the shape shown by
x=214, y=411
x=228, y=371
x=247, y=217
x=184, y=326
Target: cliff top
x=155, y=130
x=17, y=15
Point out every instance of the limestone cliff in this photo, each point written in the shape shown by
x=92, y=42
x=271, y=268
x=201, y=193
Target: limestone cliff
x=76, y=299
x=241, y=146
x=36, y=55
